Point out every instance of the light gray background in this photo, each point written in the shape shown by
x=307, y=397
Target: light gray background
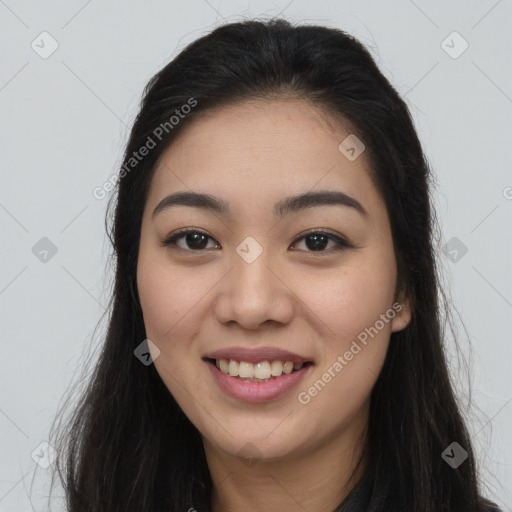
x=65, y=118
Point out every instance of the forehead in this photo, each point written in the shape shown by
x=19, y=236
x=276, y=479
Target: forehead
x=261, y=151
x=286, y=127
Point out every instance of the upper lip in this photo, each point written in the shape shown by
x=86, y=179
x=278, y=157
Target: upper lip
x=256, y=355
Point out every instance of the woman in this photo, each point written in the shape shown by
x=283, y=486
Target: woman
x=275, y=339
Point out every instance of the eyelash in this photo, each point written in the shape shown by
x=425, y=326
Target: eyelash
x=341, y=242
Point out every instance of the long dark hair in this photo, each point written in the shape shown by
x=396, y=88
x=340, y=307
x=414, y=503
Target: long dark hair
x=128, y=446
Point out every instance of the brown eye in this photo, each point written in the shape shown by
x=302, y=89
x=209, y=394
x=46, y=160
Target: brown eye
x=317, y=241
x=193, y=240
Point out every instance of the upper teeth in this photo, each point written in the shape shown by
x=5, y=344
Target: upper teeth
x=261, y=370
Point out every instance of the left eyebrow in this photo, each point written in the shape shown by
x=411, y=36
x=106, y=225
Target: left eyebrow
x=281, y=208
x=319, y=198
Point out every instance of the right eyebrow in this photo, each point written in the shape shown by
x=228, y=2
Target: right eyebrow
x=194, y=199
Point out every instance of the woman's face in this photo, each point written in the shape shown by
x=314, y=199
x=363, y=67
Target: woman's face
x=253, y=283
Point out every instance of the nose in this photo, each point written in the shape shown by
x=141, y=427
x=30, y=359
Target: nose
x=253, y=294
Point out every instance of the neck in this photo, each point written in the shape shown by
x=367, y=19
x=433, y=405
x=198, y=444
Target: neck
x=317, y=479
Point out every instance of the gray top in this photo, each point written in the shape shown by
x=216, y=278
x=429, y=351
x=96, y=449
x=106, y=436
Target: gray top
x=369, y=495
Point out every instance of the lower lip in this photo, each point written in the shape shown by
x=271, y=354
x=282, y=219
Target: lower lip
x=257, y=391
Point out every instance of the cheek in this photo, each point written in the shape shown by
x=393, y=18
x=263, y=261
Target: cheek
x=157, y=299
x=348, y=304
x=353, y=349
x=170, y=301
x=351, y=299
x=167, y=297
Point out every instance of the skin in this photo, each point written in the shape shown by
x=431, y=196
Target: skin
x=313, y=303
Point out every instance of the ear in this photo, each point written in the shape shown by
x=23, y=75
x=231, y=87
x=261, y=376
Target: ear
x=403, y=309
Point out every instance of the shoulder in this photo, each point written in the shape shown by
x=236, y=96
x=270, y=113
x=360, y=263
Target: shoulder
x=489, y=506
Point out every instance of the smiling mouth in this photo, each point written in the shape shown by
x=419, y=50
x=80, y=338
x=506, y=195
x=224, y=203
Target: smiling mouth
x=262, y=371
